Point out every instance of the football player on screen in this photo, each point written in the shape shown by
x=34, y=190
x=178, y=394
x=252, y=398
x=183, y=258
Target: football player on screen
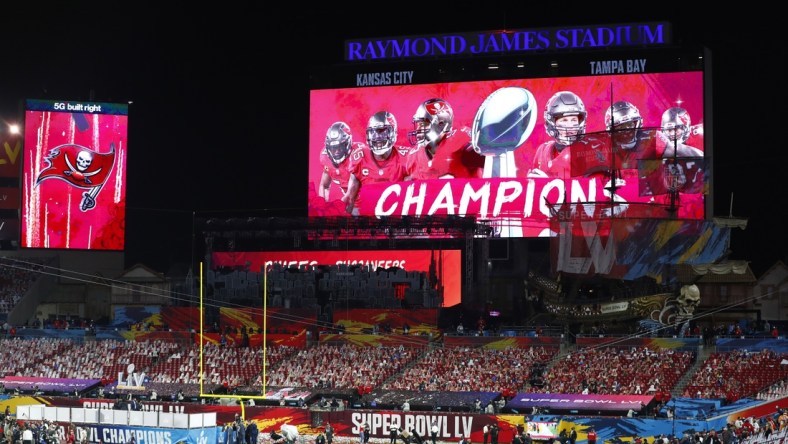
x=440, y=151
x=565, y=121
x=575, y=153
x=382, y=161
x=676, y=129
x=572, y=152
x=335, y=158
x=629, y=139
x=682, y=165
x=629, y=143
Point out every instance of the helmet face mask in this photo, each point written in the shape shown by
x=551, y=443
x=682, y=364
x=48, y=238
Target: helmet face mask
x=674, y=133
x=565, y=117
x=569, y=127
x=338, y=142
x=431, y=122
x=676, y=125
x=382, y=133
x=623, y=120
x=419, y=134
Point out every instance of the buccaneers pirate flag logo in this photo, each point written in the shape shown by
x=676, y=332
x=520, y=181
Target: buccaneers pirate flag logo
x=81, y=167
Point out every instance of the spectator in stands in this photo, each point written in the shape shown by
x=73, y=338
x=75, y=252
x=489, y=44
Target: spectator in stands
x=769, y=427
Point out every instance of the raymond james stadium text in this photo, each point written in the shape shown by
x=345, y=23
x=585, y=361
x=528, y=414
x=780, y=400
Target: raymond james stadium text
x=508, y=41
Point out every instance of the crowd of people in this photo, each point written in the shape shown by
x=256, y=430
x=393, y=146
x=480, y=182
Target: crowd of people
x=171, y=366
x=13, y=431
x=618, y=371
x=736, y=374
x=314, y=367
x=240, y=431
x=471, y=369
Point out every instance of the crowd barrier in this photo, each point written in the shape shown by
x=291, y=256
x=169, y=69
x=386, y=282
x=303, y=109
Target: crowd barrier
x=159, y=419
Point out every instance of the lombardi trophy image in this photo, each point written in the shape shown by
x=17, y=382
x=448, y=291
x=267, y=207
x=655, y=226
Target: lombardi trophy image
x=503, y=122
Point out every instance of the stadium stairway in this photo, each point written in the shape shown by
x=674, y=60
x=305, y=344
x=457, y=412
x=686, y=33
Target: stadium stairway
x=566, y=350
x=399, y=374
x=703, y=353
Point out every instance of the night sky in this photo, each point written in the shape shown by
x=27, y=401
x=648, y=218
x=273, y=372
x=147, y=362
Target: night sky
x=220, y=97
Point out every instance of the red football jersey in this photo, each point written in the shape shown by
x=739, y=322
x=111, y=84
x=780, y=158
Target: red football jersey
x=552, y=162
x=369, y=170
x=454, y=158
x=340, y=174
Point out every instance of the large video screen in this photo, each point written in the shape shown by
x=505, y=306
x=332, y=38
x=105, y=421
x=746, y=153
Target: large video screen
x=443, y=267
x=74, y=175
x=513, y=153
